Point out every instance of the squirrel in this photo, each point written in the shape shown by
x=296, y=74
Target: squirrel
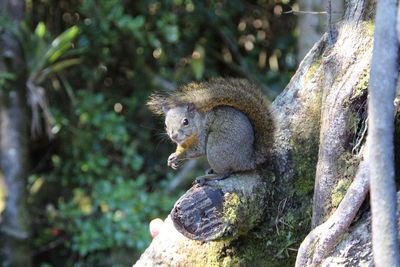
x=227, y=120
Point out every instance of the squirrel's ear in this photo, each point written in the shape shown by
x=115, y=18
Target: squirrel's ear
x=191, y=109
x=165, y=108
x=158, y=103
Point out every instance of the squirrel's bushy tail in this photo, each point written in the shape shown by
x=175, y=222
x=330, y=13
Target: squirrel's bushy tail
x=237, y=93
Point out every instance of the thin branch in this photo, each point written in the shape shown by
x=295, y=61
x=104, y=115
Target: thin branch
x=304, y=12
x=329, y=20
x=301, y=12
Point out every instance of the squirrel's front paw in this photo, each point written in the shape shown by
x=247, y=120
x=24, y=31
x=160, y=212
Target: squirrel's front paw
x=173, y=161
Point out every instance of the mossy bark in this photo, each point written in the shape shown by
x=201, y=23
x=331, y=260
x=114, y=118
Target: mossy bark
x=318, y=120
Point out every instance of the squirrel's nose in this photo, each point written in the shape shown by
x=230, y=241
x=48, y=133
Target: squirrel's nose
x=174, y=135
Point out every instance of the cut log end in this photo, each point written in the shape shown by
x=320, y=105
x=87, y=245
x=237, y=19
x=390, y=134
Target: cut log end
x=221, y=210
x=198, y=214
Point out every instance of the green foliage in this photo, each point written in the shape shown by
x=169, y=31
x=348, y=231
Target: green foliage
x=106, y=204
x=112, y=215
x=5, y=78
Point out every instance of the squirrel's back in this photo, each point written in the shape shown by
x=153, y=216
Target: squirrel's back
x=237, y=93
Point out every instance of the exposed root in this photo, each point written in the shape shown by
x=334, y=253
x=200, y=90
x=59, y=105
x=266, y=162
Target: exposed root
x=322, y=240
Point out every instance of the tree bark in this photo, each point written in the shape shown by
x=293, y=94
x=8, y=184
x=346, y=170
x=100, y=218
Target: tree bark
x=382, y=91
x=343, y=110
x=14, y=227
x=356, y=248
x=15, y=248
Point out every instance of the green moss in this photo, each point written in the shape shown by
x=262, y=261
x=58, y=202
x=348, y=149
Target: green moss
x=311, y=248
x=305, y=148
x=339, y=192
x=313, y=68
x=305, y=174
x=369, y=27
x=230, y=210
x=363, y=82
x=360, y=89
x=294, y=222
x=348, y=165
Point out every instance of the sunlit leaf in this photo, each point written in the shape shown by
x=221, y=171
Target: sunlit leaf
x=56, y=67
x=62, y=43
x=64, y=64
x=198, y=62
x=40, y=30
x=59, y=52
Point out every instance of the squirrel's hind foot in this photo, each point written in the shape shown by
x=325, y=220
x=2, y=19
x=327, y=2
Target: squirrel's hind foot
x=210, y=171
x=210, y=177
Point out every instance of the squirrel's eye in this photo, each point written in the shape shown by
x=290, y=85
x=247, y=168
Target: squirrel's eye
x=185, y=122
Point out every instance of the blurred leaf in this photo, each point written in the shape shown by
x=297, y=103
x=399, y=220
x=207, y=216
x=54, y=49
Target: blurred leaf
x=57, y=67
x=6, y=77
x=137, y=163
x=40, y=30
x=62, y=43
x=198, y=62
x=131, y=24
x=154, y=41
x=171, y=33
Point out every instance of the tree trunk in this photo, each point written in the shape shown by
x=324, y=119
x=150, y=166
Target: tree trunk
x=319, y=134
x=345, y=83
x=15, y=248
x=382, y=92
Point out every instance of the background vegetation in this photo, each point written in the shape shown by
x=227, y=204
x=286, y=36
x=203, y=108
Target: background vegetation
x=98, y=176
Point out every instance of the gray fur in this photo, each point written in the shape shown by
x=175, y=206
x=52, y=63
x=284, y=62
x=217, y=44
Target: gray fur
x=225, y=135
x=230, y=142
